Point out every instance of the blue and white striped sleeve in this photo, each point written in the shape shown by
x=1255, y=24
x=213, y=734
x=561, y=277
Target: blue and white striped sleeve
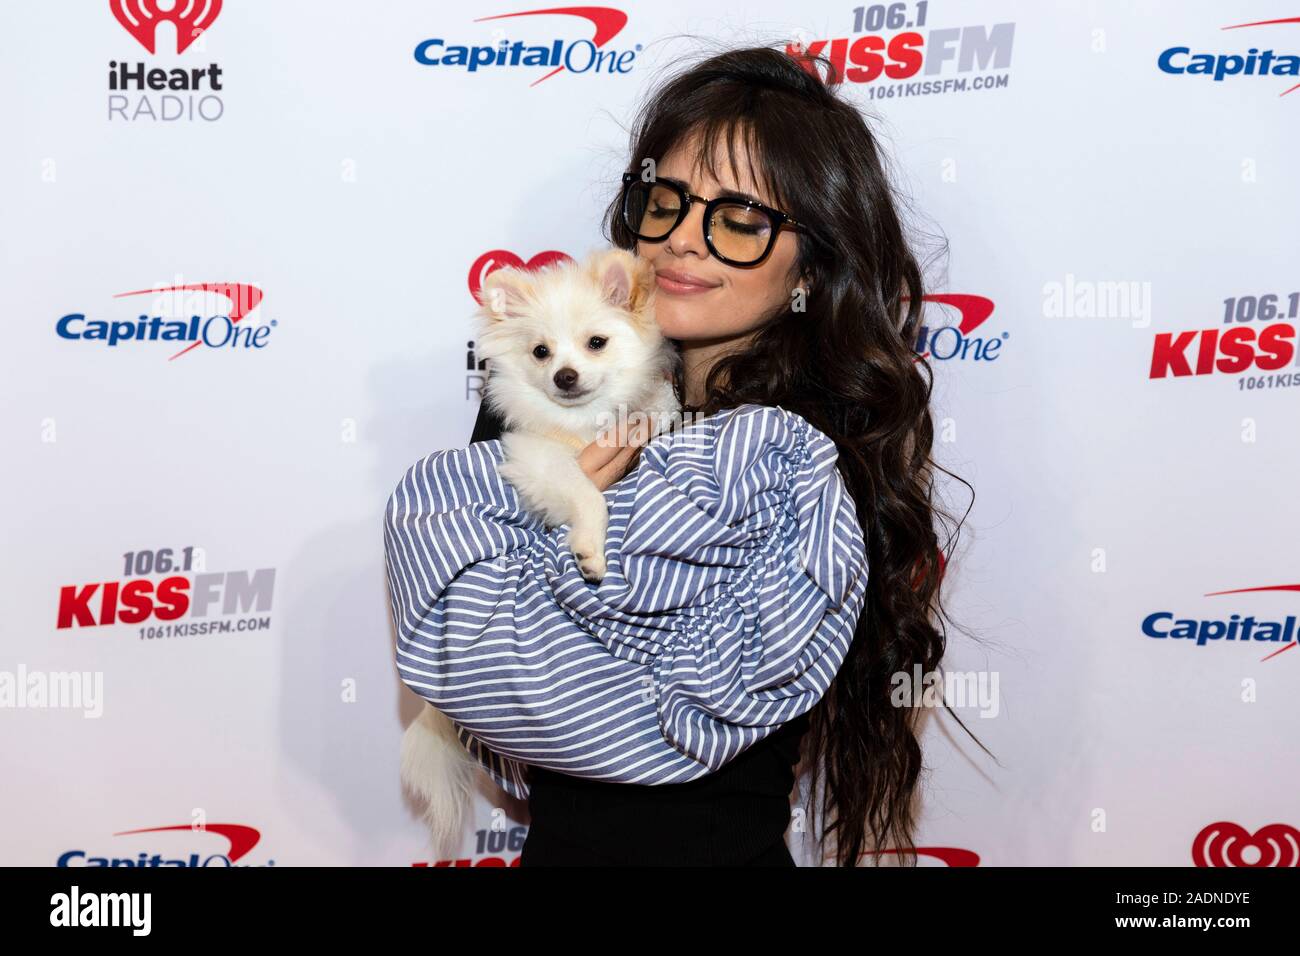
x=736, y=574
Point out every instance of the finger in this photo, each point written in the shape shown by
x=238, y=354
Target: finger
x=618, y=466
x=613, y=449
x=626, y=431
x=598, y=453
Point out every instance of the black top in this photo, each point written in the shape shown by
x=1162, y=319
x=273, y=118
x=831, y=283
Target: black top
x=733, y=816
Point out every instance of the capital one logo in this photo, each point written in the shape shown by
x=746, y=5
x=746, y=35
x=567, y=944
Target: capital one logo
x=241, y=840
x=224, y=330
x=1230, y=844
x=946, y=855
x=189, y=17
x=1181, y=61
x=946, y=342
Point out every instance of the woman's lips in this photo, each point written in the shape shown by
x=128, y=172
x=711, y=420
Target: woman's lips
x=681, y=288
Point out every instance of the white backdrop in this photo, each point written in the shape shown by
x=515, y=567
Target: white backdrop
x=195, y=627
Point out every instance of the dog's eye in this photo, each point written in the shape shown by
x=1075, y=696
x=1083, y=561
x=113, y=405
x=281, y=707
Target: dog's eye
x=596, y=342
x=541, y=351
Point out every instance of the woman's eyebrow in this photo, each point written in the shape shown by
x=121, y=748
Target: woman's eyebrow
x=723, y=194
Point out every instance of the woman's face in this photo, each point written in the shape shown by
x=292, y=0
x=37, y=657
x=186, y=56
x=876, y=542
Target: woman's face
x=733, y=300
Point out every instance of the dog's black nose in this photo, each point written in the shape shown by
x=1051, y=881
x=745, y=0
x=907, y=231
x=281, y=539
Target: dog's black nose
x=566, y=378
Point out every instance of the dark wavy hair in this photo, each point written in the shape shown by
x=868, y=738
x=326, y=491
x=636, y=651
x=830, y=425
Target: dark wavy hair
x=846, y=363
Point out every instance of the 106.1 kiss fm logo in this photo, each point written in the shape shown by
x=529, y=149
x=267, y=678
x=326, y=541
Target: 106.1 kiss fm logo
x=186, y=601
x=895, y=50
x=1255, y=341
x=141, y=90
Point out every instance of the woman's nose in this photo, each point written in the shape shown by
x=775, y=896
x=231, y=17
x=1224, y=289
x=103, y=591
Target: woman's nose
x=689, y=234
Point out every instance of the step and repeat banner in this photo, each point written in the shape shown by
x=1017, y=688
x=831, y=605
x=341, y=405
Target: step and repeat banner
x=241, y=245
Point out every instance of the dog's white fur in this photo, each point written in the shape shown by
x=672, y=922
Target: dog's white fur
x=537, y=331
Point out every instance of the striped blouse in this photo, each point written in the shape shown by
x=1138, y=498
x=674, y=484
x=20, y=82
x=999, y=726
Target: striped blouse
x=736, y=574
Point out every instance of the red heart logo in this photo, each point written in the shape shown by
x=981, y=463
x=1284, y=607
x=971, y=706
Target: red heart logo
x=140, y=18
x=490, y=262
x=1224, y=844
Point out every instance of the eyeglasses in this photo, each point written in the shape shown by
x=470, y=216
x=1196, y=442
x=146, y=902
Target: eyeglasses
x=739, y=232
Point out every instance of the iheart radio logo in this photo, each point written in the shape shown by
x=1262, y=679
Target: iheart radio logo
x=1228, y=844
x=189, y=17
x=490, y=262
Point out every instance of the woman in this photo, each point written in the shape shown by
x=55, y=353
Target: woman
x=803, y=295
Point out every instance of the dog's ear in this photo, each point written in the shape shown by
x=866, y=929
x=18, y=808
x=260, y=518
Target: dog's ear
x=643, y=285
x=504, y=292
x=626, y=280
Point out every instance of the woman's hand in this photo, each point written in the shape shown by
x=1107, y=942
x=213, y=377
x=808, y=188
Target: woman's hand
x=610, y=456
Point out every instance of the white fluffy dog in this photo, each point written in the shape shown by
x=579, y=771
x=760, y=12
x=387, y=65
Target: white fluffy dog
x=574, y=353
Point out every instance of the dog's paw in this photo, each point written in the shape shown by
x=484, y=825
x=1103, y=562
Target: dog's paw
x=591, y=566
x=590, y=557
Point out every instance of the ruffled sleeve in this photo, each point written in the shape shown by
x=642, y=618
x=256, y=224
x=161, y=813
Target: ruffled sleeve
x=736, y=574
